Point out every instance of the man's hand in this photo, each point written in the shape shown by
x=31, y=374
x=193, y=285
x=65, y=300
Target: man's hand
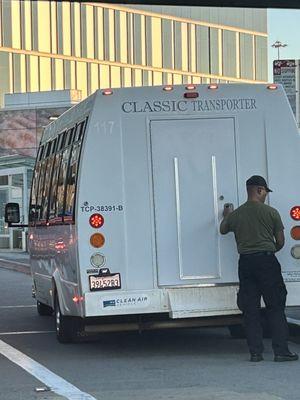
x=228, y=208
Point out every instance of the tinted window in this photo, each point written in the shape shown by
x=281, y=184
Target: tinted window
x=71, y=182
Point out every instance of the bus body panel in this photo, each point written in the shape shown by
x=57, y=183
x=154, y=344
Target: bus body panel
x=159, y=167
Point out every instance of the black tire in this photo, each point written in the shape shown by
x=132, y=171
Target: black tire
x=237, y=331
x=63, y=325
x=43, y=309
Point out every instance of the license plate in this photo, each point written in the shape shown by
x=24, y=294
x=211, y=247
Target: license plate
x=112, y=281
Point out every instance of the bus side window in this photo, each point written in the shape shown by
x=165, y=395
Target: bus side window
x=53, y=187
x=41, y=181
x=61, y=184
x=33, y=194
x=71, y=183
x=47, y=185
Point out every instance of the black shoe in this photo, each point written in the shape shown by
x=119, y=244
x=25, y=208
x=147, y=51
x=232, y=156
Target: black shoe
x=256, y=357
x=286, y=357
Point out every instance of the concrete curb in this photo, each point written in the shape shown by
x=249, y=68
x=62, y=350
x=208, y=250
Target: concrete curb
x=15, y=266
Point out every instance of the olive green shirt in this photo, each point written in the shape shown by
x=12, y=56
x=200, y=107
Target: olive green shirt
x=254, y=225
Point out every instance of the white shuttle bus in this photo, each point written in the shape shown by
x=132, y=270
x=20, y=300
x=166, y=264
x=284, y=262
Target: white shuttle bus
x=127, y=197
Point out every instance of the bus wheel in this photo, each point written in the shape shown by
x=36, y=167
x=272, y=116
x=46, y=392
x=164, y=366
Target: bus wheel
x=43, y=309
x=63, y=325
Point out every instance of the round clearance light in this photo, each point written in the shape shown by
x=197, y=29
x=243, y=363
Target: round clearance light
x=295, y=213
x=272, y=86
x=213, y=86
x=107, y=92
x=168, y=88
x=295, y=251
x=97, y=240
x=295, y=232
x=98, y=260
x=190, y=87
x=96, y=220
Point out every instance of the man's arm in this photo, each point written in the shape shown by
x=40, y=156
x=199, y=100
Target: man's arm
x=279, y=240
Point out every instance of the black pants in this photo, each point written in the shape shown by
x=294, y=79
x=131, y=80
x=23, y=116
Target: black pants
x=260, y=276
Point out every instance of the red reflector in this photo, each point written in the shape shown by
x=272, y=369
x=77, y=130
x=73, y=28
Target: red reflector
x=96, y=220
x=191, y=95
x=295, y=213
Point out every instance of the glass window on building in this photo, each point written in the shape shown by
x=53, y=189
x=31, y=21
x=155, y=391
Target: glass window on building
x=261, y=58
x=16, y=23
x=115, y=77
x=229, y=54
x=66, y=26
x=58, y=69
x=126, y=77
x=3, y=230
x=192, y=47
x=109, y=32
x=4, y=71
x=90, y=29
x=70, y=74
x=167, y=78
x=8, y=25
x=45, y=73
x=19, y=73
x=156, y=42
x=54, y=31
x=99, y=34
x=33, y=73
x=202, y=56
x=121, y=37
x=184, y=47
x=81, y=74
x=157, y=78
x=177, y=79
x=214, y=51
x=147, y=78
x=246, y=56
x=104, y=76
x=44, y=28
x=137, y=77
x=93, y=78
x=177, y=46
x=139, y=39
x=26, y=25
x=167, y=44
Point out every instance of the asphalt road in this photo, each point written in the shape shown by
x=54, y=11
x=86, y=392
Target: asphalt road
x=200, y=364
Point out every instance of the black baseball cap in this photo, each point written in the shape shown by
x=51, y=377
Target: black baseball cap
x=257, y=180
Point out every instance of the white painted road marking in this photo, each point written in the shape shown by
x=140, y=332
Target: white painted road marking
x=51, y=380
x=293, y=321
x=24, y=333
x=14, y=262
x=33, y=305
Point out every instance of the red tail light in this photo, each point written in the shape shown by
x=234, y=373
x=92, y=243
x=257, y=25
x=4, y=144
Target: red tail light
x=295, y=213
x=96, y=220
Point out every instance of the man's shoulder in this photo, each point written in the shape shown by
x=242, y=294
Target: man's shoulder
x=269, y=209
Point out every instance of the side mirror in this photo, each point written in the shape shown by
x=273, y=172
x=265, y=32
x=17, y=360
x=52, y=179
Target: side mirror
x=12, y=213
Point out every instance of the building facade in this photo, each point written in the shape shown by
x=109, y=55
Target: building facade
x=54, y=45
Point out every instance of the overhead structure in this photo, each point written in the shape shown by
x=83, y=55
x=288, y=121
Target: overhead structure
x=214, y=3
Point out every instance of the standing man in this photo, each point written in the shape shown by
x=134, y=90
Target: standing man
x=258, y=232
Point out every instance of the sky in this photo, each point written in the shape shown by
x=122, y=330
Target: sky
x=283, y=25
